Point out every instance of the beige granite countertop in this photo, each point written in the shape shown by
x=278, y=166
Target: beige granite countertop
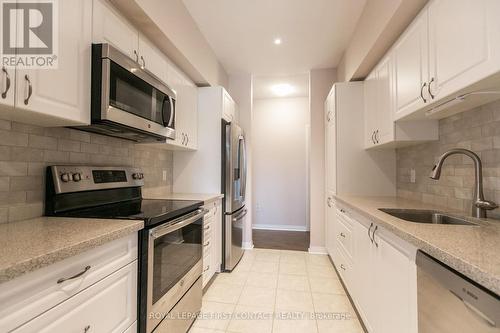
x=205, y=197
x=32, y=244
x=473, y=251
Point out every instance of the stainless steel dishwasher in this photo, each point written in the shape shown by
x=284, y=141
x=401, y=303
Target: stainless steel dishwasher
x=451, y=303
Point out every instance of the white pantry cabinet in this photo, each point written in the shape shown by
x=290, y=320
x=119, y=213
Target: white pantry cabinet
x=61, y=96
x=381, y=277
x=451, y=49
x=212, y=240
x=350, y=169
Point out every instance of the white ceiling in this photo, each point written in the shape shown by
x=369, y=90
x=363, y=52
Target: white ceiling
x=314, y=33
x=262, y=85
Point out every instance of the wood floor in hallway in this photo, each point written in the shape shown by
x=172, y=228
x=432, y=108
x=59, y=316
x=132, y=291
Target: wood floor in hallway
x=281, y=240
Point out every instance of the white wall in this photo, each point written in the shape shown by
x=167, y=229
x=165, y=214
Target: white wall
x=241, y=90
x=321, y=80
x=279, y=162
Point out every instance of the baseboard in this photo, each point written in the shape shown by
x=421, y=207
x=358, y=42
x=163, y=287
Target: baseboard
x=317, y=250
x=247, y=245
x=282, y=227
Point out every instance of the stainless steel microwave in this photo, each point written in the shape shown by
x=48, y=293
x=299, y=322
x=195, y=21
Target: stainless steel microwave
x=128, y=101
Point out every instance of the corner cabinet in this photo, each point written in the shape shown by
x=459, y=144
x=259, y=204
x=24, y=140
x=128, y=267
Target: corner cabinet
x=379, y=271
x=61, y=96
x=382, y=99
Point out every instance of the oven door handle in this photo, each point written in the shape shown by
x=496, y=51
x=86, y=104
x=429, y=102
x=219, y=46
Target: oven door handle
x=177, y=224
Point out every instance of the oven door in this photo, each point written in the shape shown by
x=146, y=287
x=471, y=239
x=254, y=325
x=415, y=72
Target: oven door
x=174, y=264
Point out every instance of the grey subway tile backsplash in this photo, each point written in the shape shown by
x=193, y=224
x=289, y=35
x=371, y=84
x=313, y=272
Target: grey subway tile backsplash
x=477, y=130
x=26, y=151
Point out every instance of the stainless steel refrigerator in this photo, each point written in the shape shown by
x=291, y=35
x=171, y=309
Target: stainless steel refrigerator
x=234, y=170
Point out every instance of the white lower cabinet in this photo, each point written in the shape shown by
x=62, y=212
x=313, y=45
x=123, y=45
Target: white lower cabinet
x=95, y=289
x=212, y=240
x=107, y=306
x=381, y=277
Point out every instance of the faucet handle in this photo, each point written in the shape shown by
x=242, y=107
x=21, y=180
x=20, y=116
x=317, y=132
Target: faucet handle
x=485, y=204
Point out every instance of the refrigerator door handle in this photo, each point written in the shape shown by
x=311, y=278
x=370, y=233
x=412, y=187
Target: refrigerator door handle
x=240, y=216
x=243, y=166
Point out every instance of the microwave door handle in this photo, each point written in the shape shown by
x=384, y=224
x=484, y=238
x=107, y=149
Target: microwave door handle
x=172, y=111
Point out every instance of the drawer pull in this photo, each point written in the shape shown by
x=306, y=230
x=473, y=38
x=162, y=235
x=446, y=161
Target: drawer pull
x=373, y=236
x=207, y=227
x=369, y=236
x=206, y=269
x=342, y=266
x=207, y=244
x=342, y=234
x=342, y=211
x=86, y=329
x=85, y=270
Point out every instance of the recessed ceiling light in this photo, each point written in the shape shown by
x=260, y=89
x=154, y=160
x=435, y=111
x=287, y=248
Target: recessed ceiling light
x=277, y=41
x=282, y=89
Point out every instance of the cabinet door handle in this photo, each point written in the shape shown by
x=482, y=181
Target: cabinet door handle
x=183, y=138
x=373, y=236
x=30, y=89
x=369, y=236
x=376, y=136
x=329, y=116
x=429, y=88
x=143, y=62
x=136, y=56
x=207, y=227
x=329, y=202
x=342, y=235
x=86, y=329
x=85, y=270
x=207, y=244
x=187, y=137
x=206, y=269
x=342, y=266
x=7, y=82
x=422, y=92
x=342, y=211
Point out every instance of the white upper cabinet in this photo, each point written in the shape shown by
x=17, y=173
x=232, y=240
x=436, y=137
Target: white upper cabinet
x=464, y=43
x=451, y=49
x=152, y=59
x=7, y=86
x=109, y=27
x=410, y=56
x=63, y=93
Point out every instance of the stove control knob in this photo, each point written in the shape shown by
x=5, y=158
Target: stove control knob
x=141, y=176
x=65, y=177
x=77, y=177
x=136, y=176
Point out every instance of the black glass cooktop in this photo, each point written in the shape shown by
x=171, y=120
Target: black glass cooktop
x=152, y=211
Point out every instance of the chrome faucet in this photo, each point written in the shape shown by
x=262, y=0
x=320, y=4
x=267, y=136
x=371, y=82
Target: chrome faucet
x=479, y=205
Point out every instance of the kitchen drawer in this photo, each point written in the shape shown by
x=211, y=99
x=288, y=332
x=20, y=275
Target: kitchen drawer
x=34, y=293
x=344, y=266
x=207, y=268
x=207, y=244
x=207, y=230
x=344, y=236
x=107, y=306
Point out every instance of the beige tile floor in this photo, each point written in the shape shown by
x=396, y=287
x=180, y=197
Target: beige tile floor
x=277, y=291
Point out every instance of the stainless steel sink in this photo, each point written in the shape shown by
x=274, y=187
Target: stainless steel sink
x=426, y=216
